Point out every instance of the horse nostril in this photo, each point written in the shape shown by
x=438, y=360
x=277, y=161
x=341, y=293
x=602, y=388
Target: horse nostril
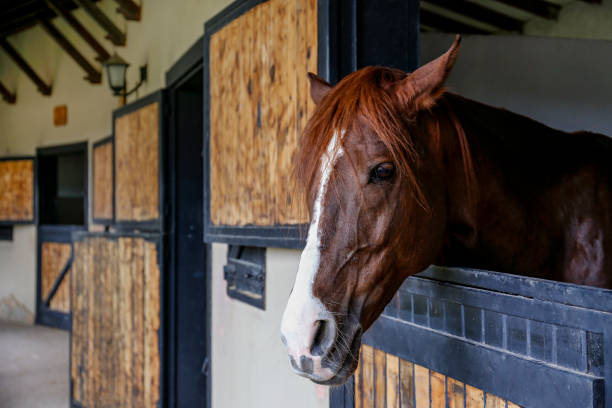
x=306, y=364
x=322, y=339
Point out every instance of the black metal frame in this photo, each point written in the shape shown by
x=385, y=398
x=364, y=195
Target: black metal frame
x=101, y=142
x=160, y=247
x=34, y=219
x=158, y=223
x=284, y=236
x=525, y=379
x=189, y=64
x=253, y=265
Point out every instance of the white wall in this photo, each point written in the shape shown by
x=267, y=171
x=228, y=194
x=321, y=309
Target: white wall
x=250, y=367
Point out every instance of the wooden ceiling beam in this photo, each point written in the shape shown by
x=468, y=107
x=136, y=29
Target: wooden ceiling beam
x=61, y=10
x=129, y=9
x=115, y=35
x=480, y=13
x=540, y=8
x=25, y=67
x=448, y=25
x=593, y=1
x=93, y=75
x=8, y=96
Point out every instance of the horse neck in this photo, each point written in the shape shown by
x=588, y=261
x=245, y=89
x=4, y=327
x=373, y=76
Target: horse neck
x=475, y=191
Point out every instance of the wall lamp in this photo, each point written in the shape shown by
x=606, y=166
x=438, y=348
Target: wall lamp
x=116, y=68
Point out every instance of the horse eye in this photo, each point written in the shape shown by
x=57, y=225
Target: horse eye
x=382, y=172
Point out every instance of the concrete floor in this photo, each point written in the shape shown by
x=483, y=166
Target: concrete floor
x=33, y=366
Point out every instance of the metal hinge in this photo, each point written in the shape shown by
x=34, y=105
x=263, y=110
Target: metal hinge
x=205, y=366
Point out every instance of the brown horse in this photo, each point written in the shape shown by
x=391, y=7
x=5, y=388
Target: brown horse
x=400, y=174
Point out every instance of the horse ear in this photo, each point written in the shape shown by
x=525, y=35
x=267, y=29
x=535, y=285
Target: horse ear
x=318, y=87
x=426, y=84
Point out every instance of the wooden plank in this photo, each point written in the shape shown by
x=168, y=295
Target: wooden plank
x=513, y=405
x=406, y=384
x=17, y=190
x=152, y=310
x=493, y=401
x=103, y=181
x=455, y=392
x=380, y=370
x=136, y=165
x=437, y=390
x=393, y=377
x=421, y=385
x=358, y=389
x=368, y=377
x=474, y=398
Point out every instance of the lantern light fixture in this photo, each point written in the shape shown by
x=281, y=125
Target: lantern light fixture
x=116, y=68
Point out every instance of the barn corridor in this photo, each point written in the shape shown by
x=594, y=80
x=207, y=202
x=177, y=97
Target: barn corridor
x=33, y=366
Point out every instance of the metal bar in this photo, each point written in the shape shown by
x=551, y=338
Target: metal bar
x=93, y=75
x=448, y=25
x=538, y=7
x=60, y=278
x=7, y=95
x=116, y=36
x=480, y=13
x=60, y=9
x=25, y=67
x=129, y=9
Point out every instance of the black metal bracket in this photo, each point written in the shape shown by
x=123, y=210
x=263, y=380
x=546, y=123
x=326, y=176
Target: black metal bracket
x=245, y=273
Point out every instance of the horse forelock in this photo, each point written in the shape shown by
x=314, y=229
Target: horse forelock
x=364, y=97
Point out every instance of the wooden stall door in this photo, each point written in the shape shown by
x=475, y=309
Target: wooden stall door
x=115, y=342
x=138, y=140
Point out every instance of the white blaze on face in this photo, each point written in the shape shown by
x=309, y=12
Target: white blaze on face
x=303, y=309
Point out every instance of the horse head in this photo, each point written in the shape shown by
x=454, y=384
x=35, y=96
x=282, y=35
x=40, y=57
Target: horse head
x=377, y=209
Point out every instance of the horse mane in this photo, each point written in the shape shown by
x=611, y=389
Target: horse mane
x=369, y=94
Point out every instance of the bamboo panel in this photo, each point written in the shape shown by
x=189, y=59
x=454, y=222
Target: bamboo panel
x=116, y=306
x=103, y=181
x=17, y=190
x=384, y=380
x=259, y=102
x=137, y=165
x=53, y=258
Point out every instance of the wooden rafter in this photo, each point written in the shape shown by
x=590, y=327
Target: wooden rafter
x=93, y=75
x=448, y=25
x=63, y=11
x=25, y=67
x=115, y=35
x=538, y=7
x=129, y=9
x=480, y=13
x=7, y=95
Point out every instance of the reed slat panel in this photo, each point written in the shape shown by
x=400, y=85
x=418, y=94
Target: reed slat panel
x=17, y=190
x=393, y=372
x=137, y=165
x=259, y=102
x=384, y=380
x=103, y=181
x=115, y=343
x=53, y=258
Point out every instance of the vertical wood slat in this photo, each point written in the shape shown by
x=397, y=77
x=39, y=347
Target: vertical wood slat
x=493, y=401
x=437, y=390
x=379, y=376
x=393, y=380
x=17, y=190
x=421, y=385
x=115, y=343
x=259, y=102
x=407, y=384
x=357, y=391
x=455, y=391
x=474, y=398
x=137, y=164
x=103, y=181
x=368, y=377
